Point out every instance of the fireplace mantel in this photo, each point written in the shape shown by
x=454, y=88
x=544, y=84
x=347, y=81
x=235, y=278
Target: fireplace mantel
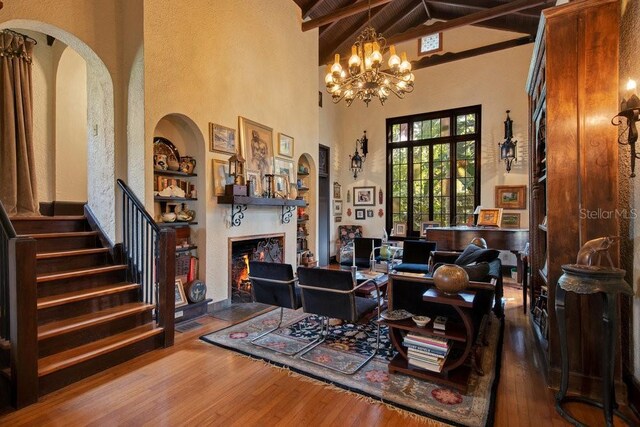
x=239, y=205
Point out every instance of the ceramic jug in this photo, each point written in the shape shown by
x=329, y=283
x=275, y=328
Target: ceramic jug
x=160, y=162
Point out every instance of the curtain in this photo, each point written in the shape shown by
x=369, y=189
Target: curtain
x=18, y=190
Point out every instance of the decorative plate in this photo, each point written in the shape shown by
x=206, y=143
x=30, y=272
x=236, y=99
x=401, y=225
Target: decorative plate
x=395, y=314
x=164, y=146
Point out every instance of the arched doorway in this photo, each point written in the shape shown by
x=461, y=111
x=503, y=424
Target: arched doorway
x=100, y=143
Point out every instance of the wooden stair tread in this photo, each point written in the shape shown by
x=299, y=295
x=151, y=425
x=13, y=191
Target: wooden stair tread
x=74, y=356
x=62, y=234
x=79, y=273
x=48, y=218
x=59, y=327
x=74, y=252
x=84, y=294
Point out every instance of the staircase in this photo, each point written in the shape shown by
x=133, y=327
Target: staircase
x=90, y=315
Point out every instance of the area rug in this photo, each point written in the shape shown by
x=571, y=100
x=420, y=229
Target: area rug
x=348, y=345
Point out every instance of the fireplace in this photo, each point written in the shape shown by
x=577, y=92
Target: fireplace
x=265, y=247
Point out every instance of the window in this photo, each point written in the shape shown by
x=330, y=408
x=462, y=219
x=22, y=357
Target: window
x=433, y=169
x=430, y=44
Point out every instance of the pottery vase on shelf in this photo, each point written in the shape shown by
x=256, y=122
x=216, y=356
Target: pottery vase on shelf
x=451, y=279
x=172, y=163
x=160, y=162
x=187, y=164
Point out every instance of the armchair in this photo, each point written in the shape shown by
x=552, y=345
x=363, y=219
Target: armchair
x=331, y=294
x=274, y=284
x=361, y=249
x=415, y=256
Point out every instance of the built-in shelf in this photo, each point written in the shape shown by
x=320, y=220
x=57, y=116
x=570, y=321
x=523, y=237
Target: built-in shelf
x=303, y=189
x=174, y=199
x=176, y=224
x=303, y=173
x=186, y=248
x=174, y=173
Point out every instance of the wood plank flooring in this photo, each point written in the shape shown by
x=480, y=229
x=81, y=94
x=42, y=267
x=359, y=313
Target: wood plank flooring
x=194, y=383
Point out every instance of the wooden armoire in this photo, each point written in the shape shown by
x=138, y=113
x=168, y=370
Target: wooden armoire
x=573, y=93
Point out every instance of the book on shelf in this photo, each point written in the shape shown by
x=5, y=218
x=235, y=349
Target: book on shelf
x=434, y=367
x=425, y=339
x=419, y=355
x=425, y=351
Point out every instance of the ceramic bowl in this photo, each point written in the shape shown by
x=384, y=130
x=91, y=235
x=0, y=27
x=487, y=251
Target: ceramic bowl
x=420, y=321
x=168, y=217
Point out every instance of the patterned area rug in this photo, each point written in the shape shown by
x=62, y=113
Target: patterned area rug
x=348, y=345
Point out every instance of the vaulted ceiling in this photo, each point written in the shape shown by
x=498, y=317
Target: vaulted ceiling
x=340, y=21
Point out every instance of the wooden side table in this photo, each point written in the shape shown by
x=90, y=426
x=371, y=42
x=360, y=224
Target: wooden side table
x=586, y=280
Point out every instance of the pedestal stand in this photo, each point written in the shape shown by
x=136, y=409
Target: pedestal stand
x=586, y=280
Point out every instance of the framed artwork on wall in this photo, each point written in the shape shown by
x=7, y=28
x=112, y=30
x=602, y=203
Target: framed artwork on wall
x=426, y=225
x=337, y=207
x=369, y=213
x=285, y=167
x=256, y=187
x=360, y=214
x=220, y=176
x=490, y=217
x=285, y=145
x=511, y=196
x=222, y=139
x=364, y=196
x=337, y=190
x=257, y=143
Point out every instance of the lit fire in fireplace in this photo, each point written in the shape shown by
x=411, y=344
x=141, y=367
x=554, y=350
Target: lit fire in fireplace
x=264, y=250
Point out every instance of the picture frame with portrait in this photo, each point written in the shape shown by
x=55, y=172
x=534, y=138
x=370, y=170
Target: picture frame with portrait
x=490, y=217
x=257, y=145
x=364, y=196
x=284, y=167
x=222, y=139
x=220, y=176
x=285, y=145
x=337, y=207
x=511, y=196
x=400, y=229
x=180, y=296
x=360, y=214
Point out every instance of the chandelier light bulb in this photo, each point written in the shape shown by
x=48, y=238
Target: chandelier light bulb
x=405, y=65
x=631, y=85
x=328, y=79
x=336, y=68
x=354, y=61
x=394, y=60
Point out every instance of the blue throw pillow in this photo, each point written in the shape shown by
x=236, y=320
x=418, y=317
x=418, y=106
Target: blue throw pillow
x=473, y=253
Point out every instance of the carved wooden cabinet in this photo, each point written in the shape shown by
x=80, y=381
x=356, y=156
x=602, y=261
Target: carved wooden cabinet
x=573, y=93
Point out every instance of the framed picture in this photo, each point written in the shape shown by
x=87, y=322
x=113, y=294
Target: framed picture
x=337, y=219
x=360, y=214
x=284, y=167
x=490, y=217
x=281, y=184
x=510, y=220
x=364, y=196
x=220, y=176
x=257, y=143
x=181, y=298
x=337, y=190
x=400, y=228
x=254, y=176
x=222, y=139
x=511, y=196
x=369, y=213
x=285, y=145
x=426, y=225
x=337, y=207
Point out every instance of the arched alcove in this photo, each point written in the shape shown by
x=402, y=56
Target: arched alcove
x=189, y=141
x=100, y=117
x=306, y=161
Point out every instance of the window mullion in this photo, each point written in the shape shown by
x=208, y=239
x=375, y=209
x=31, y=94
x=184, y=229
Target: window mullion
x=410, y=189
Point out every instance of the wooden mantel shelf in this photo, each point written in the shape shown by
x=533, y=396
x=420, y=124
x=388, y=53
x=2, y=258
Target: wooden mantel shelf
x=264, y=201
x=239, y=205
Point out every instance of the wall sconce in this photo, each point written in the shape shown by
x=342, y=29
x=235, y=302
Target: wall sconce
x=236, y=169
x=508, y=151
x=357, y=160
x=630, y=110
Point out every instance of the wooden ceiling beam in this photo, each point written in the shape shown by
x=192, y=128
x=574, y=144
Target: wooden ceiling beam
x=341, y=14
x=311, y=8
x=474, y=18
x=527, y=26
x=325, y=28
x=433, y=60
x=483, y=5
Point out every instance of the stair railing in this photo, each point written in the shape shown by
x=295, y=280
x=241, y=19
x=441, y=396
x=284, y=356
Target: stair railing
x=18, y=310
x=149, y=251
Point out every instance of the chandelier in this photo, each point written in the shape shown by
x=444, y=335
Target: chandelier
x=364, y=78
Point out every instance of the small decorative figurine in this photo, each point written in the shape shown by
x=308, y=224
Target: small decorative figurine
x=599, y=246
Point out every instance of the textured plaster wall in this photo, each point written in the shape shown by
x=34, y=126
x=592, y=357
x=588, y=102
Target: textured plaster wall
x=630, y=256
x=213, y=62
x=71, y=128
x=495, y=80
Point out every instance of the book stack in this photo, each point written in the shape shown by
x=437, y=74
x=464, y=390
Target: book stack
x=426, y=352
x=440, y=324
x=162, y=182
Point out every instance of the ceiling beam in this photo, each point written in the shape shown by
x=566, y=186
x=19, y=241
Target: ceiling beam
x=341, y=14
x=433, y=60
x=474, y=18
x=525, y=25
x=326, y=28
x=482, y=5
x=311, y=8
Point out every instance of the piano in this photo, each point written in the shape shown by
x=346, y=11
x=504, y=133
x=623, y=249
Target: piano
x=457, y=238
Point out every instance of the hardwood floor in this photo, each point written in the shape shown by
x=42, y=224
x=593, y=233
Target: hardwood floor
x=194, y=383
